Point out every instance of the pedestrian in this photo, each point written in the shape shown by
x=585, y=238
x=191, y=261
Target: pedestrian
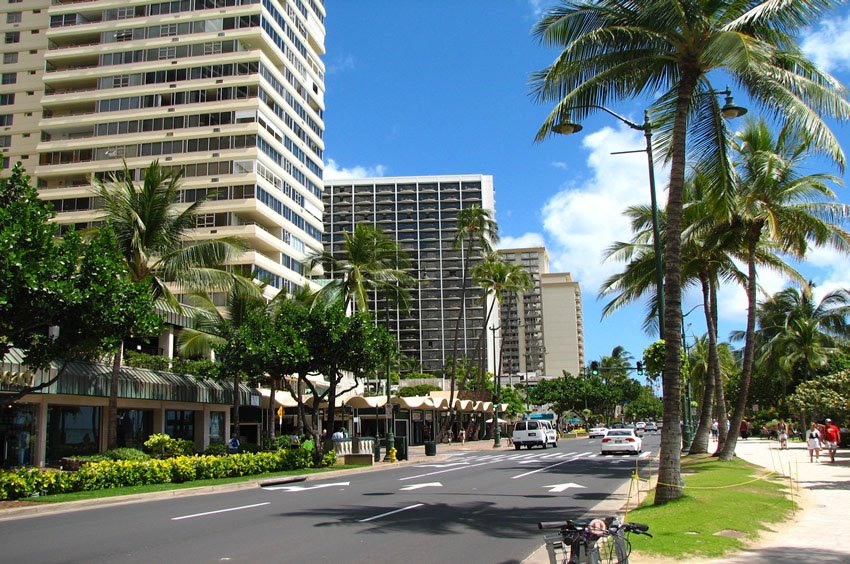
x=715, y=430
x=461, y=435
x=233, y=445
x=450, y=436
x=338, y=435
x=783, y=434
x=813, y=442
x=744, y=429
x=831, y=438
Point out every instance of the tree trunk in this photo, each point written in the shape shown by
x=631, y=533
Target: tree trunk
x=719, y=394
x=112, y=415
x=749, y=347
x=330, y=417
x=272, y=409
x=453, y=367
x=669, y=464
x=236, y=402
x=701, y=437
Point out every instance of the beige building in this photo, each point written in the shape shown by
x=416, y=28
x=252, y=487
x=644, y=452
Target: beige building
x=231, y=92
x=541, y=331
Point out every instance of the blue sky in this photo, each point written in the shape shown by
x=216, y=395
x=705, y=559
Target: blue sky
x=419, y=87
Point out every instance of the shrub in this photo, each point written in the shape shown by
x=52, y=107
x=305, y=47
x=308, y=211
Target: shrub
x=216, y=449
x=125, y=454
x=329, y=458
x=163, y=446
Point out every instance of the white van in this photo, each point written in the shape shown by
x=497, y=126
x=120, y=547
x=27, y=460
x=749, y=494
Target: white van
x=534, y=433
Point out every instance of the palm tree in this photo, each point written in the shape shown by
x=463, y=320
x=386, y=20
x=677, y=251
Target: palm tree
x=372, y=262
x=776, y=204
x=500, y=278
x=476, y=233
x=798, y=333
x=617, y=49
x=152, y=233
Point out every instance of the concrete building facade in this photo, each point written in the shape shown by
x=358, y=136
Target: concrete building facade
x=420, y=214
x=229, y=92
x=541, y=331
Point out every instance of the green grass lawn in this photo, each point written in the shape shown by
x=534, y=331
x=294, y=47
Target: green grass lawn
x=718, y=496
x=113, y=492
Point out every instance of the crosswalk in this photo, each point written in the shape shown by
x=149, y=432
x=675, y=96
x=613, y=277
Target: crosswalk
x=530, y=458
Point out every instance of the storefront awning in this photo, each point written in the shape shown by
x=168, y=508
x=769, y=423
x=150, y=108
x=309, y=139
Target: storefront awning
x=90, y=379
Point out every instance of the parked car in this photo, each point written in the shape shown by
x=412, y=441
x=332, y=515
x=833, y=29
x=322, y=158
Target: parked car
x=651, y=427
x=534, y=433
x=640, y=425
x=621, y=440
x=597, y=432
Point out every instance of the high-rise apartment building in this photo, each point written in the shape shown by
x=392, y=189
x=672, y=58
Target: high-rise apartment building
x=230, y=92
x=420, y=214
x=542, y=332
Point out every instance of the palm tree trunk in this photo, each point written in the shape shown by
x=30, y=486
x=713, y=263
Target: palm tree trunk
x=701, y=438
x=236, y=402
x=273, y=389
x=749, y=348
x=719, y=394
x=112, y=415
x=669, y=464
x=453, y=367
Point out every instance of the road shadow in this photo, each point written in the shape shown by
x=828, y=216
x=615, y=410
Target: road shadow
x=791, y=555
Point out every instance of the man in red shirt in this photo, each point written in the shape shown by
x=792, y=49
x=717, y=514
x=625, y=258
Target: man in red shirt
x=831, y=438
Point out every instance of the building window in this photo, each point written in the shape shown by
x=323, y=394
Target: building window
x=9, y=78
x=5, y=120
x=167, y=53
x=13, y=17
x=12, y=37
x=7, y=99
x=10, y=58
x=217, y=427
x=168, y=30
x=5, y=141
x=72, y=431
x=180, y=424
x=124, y=35
x=18, y=429
x=135, y=426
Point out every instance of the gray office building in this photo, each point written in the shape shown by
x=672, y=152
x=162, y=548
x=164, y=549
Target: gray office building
x=420, y=214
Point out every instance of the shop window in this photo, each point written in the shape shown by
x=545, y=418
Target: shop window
x=180, y=424
x=72, y=431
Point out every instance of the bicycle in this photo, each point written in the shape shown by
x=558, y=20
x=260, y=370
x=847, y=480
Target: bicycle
x=594, y=542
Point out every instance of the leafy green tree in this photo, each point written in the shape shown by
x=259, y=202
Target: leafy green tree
x=80, y=288
x=645, y=406
x=418, y=390
x=777, y=203
x=616, y=50
x=827, y=396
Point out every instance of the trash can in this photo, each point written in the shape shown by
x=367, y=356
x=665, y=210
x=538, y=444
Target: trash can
x=376, y=449
x=430, y=448
x=401, y=448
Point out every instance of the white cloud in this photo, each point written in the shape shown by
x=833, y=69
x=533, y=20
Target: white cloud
x=828, y=45
x=831, y=271
x=583, y=219
x=560, y=164
x=340, y=64
x=732, y=298
x=524, y=241
x=334, y=172
x=538, y=7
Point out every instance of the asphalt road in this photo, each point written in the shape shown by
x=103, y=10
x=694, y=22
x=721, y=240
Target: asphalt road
x=477, y=506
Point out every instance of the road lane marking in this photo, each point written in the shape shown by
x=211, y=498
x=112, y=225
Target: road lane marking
x=558, y=488
x=446, y=465
x=219, y=511
x=417, y=486
x=645, y=454
x=390, y=513
x=304, y=488
x=447, y=470
x=547, y=467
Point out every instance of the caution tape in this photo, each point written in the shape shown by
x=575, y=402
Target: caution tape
x=683, y=486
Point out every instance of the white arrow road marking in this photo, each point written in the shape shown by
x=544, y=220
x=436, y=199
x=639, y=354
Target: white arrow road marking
x=391, y=513
x=219, y=511
x=417, y=486
x=304, y=488
x=645, y=454
x=446, y=470
x=542, y=468
x=557, y=488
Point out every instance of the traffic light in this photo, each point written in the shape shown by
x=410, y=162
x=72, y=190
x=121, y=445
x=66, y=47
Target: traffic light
x=594, y=368
x=639, y=368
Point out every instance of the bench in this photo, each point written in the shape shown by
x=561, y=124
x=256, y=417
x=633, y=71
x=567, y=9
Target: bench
x=358, y=459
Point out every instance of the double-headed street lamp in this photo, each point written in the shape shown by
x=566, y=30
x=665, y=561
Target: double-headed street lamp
x=728, y=111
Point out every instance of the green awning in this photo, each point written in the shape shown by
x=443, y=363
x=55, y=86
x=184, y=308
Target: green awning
x=90, y=379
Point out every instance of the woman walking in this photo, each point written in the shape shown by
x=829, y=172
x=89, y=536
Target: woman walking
x=783, y=434
x=814, y=442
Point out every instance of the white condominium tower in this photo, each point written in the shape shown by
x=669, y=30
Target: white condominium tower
x=420, y=214
x=231, y=92
x=542, y=330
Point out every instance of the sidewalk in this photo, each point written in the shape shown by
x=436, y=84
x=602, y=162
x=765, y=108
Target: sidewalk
x=817, y=533
x=820, y=530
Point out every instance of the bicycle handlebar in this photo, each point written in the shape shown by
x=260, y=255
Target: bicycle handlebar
x=554, y=524
x=638, y=528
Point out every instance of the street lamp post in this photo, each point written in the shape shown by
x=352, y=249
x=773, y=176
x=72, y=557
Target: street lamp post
x=497, y=432
x=728, y=111
x=687, y=412
x=390, y=457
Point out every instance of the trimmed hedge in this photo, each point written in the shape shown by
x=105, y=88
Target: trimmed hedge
x=121, y=473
